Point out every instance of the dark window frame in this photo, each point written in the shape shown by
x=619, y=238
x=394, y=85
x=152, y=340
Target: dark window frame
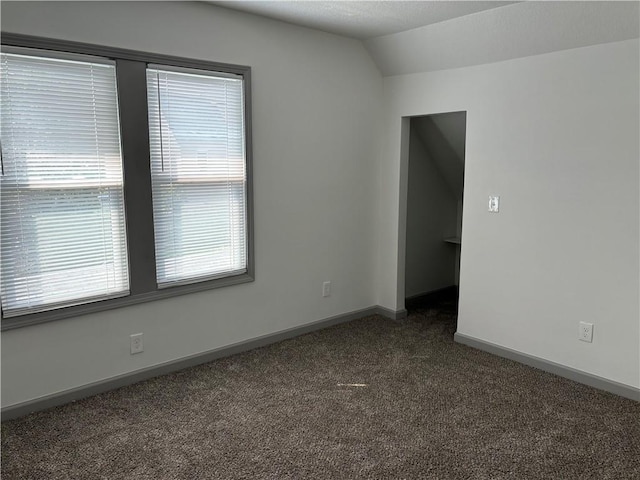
x=134, y=130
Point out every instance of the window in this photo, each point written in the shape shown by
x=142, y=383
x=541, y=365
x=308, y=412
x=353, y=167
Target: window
x=62, y=203
x=196, y=132
x=126, y=177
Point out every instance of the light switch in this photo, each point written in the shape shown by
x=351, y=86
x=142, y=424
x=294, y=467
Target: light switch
x=494, y=204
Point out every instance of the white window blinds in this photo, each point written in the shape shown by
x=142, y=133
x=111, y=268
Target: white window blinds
x=197, y=141
x=62, y=213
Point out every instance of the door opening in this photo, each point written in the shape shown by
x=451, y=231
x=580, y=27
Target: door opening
x=435, y=186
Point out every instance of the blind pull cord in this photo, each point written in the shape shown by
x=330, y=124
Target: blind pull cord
x=1, y=161
x=160, y=122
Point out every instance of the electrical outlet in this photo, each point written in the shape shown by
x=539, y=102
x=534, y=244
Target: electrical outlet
x=326, y=289
x=585, y=332
x=136, y=343
x=494, y=203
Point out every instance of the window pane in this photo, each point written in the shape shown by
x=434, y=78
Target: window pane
x=196, y=133
x=62, y=212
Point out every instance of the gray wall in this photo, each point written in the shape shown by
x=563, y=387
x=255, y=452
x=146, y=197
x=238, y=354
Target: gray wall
x=556, y=136
x=316, y=107
x=431, y=217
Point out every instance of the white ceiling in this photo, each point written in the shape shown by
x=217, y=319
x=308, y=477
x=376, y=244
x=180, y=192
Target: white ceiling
x=514, y=31
x=420, y=36
x=361, y=19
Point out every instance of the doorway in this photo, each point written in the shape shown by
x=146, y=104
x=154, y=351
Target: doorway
x=435, y=192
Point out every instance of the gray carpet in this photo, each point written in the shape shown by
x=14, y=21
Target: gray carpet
x=429, y=408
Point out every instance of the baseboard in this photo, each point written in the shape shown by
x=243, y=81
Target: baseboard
x=396, y=315
x=73, y=394
x=579, y=376
x=430, y=293
x=428, y=298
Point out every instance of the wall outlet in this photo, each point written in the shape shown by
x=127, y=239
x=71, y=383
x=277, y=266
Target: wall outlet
x=326, y=289
x=494, y=203
x=136, y=343
x=585, y=332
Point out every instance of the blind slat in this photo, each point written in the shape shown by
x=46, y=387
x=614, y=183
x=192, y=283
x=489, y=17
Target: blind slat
x=62, y=222
x=198, y=169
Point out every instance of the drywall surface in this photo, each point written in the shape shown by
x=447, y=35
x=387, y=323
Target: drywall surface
x=556, y=136
x=512, y=31
x=453, y=127
x=431, y=217
x=444, y=139
x=316, y=100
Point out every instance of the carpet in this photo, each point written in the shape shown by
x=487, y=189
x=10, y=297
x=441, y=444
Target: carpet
x=370, y=398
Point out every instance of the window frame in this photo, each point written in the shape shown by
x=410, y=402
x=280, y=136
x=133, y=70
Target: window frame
x=131, y=81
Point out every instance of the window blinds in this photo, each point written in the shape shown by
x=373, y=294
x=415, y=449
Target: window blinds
x=62, y=214
x=196, y=133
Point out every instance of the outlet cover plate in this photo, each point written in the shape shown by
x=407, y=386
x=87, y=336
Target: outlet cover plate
x=136, y=343
x=585, y=332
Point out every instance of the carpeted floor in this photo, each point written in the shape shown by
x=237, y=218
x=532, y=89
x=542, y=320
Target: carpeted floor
x=367, y=399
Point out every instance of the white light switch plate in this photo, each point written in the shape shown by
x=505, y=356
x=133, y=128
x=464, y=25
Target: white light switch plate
x=494, y=204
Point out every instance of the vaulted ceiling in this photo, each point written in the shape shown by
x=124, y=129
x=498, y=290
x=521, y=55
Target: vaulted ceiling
x=361, y=19
x=407, y=37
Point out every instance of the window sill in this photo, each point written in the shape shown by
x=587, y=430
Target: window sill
x=132, y=299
